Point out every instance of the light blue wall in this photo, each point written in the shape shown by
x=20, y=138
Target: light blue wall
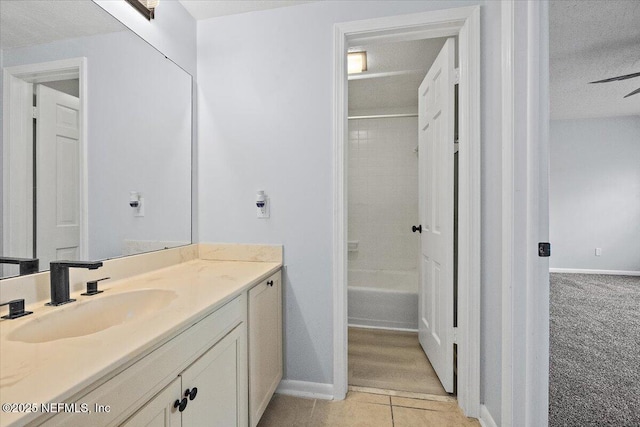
x=595, y=193
x=265, y=105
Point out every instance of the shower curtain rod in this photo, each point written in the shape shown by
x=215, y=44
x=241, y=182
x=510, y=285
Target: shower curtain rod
x=382, y=116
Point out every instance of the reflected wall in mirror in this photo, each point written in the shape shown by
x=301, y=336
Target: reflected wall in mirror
x=92, y=117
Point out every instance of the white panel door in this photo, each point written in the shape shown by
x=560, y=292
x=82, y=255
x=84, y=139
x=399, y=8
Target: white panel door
x=436, y=140
x=57, y=176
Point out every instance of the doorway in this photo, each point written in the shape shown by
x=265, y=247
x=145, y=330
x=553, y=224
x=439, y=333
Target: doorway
x=384, y=231
x=46, y=120
x=464, y=23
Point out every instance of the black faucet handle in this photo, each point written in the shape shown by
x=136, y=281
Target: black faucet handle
x=92, y=287
x=16, y=309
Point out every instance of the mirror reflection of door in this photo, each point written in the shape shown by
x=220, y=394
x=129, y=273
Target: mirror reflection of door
x=57, y=172
x=43, y=215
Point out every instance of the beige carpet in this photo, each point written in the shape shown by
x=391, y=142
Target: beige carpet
x=390, y=360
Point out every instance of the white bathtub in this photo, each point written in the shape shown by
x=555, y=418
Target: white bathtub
x=383, y=299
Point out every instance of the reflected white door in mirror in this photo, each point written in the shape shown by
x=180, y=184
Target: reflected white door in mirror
x=44, y=162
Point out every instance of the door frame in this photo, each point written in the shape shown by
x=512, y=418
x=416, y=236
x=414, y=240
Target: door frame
x=18, y=138
x=463, y=22
x=524, y=36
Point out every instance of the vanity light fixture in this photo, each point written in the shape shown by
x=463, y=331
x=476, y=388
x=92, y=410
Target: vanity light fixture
x=145, y=7
x=357, y=62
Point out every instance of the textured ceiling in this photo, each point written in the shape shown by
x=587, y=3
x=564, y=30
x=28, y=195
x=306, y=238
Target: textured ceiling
x=407, y=62
x=203, y=9
x=33, y=22
x=593, y=40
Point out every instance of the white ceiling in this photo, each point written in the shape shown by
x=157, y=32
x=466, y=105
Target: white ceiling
x=33, y=22
x=589, y=40
x=408, y=62
x=203, y=9
x=593, y=40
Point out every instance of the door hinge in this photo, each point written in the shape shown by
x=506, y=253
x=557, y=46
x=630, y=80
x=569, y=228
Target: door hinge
x=455, y=335
x=34, y=113
x=456, y=76
x=544, y=249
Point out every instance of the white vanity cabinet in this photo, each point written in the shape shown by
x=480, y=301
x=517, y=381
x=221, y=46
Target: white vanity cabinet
x=265, y=344
x=232, y=356
x=210, y=355
x=216, y=381
x=157, y=413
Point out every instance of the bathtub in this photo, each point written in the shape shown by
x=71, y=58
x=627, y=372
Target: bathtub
x=383, y=299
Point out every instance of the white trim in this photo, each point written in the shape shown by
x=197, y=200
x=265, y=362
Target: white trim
x=38, y=73
x=525, y=281
x=340, y=317
x=464, y=22
x=589, y=271
x=382, y=328
x=486, y=420
x=508, y=113
x=469, y=213
x=17, y=167
x=305, y=389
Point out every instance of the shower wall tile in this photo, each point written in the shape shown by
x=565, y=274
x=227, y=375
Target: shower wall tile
x=383, y=193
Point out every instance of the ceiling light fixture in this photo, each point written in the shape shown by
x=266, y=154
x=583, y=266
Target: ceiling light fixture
x=357, y=62
x=145, y=7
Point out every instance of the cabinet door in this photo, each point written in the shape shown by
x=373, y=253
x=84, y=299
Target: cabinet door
x=159, y=411
x=220, y=377
x=265, y=344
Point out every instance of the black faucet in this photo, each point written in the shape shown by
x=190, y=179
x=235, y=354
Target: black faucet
x=60, y=278
x=27, y=265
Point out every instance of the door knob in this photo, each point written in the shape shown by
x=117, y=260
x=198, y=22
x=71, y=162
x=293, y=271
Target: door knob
x=418, y=228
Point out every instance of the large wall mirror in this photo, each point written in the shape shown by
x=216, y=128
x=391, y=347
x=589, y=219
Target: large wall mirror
x=96, y=137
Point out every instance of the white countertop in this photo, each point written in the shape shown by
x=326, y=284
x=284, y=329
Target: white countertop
x=57, y=370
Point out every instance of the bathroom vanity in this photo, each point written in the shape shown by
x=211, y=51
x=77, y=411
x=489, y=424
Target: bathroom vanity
x=195, y=343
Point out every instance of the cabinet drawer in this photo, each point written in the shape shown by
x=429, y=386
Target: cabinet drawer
x=131, y=388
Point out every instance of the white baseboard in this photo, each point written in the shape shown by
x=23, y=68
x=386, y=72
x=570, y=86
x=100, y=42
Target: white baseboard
x=587, y=271
x=306, y=389
x=382, y=328
x=486, y=420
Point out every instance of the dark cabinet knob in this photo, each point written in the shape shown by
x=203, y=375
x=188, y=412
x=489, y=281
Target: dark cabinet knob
x=270, y=282
x=191, y=394
x=418, y=228
x=181, y=404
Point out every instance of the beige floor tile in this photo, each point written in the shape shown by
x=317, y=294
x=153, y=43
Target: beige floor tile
x=424, y=404
x=350, y=413
x=411, y=417
x=287, y=411
x=379, y=399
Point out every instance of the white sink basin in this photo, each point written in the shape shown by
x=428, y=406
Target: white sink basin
x=91, y=316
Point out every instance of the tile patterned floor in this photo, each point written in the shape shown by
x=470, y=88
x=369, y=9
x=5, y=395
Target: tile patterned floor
x=392, y=384
x=364, y=410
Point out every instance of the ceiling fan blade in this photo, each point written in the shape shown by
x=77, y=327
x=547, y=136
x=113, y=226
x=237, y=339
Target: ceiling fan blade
x=633, y=93
x=615, y=79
